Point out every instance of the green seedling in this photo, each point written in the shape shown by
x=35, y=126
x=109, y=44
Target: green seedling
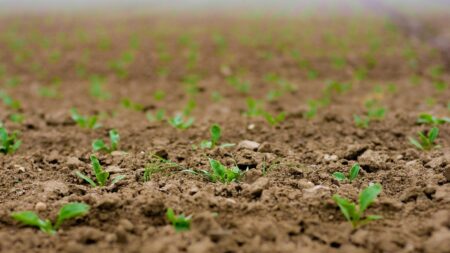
x=50, y=91
x=68, y=211
x=84, y=121
x=219, y=172
x=179, y=222
x=96, y=88
x=215, y=132
x=17, y=118
x=355, y=213
x=9, y=143
x=254, y=107
x=361, y=121
x=128, y=104
x=101, y=175
x=157, y=164
x=180, y=123
x=243, y=86
x=189, y=107
x=9, y=101
x=99, y=145
x=426, y=141
x=274, y=119
x=374, y=110
x=159, y=95
x=160, y=115
x=426, y=118
x=351, y=175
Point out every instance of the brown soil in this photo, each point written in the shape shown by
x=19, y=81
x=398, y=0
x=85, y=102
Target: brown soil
x=283, y=203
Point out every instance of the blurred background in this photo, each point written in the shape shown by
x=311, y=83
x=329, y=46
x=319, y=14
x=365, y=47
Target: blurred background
x=285, y=6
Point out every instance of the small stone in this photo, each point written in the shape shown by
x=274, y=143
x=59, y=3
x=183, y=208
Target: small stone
x=251, y=145
x=73, y=162
x=126, y=224
x=330, y=158
x=258, y=186
x=113, y=169
x=118, y=153
x=305, y=184
x=436, y=163
x=447, y=173
x=40, y=206
x=372, y=161
x=251, y=127
x=360, y=237
x=265, y=147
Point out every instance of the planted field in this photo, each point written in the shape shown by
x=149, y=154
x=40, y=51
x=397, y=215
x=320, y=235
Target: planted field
x=220, y=134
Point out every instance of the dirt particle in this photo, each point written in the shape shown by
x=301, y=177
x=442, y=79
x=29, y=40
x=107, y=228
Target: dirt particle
x=353, y=151
x=255, y=190
x=439, y=242
x=330, y=158
x=40, y=206
x=372, y=161
x=447, y=173
x=73, y=162
x=265, y=147
x=250, y=145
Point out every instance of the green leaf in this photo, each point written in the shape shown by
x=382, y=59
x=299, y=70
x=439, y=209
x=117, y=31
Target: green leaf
x=99, y=145
x=101, y=175
x=339, y=176
x=348, y=209
x=432, y=135
x=31, y=219
x=206, y=144
x=367, y=196
x=86, y=178
x=217, y=168
x=179, y=222
x=115, y=138
x=69, y=211
x=117, y=179
x=415, y=143
x=215, y=134
x=354, y=172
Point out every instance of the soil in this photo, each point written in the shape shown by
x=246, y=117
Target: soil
x=284, y=201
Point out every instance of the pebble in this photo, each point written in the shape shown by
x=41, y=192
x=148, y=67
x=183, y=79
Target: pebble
x=246, y=144
x=40, y=206
x=330, y=158
x=118, y=153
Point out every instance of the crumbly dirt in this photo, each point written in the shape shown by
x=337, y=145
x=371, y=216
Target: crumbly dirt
x=283, y=203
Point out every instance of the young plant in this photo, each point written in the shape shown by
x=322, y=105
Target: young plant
x=128, y=104
x=68, y=211
x=101, y=175
x=157, y=164
x=219, y=172
x=355, y=213
x=274, y=119
x=9, y=143
x=178, y=122
x=96, y=88
x=179, y=222
x=426, y=142
x=99, y=145
x=426, y=118
x=158, y=116
x=351, y=175
x=215, y=132
x=361, y=121
x=9, y=101
x=84, y=121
